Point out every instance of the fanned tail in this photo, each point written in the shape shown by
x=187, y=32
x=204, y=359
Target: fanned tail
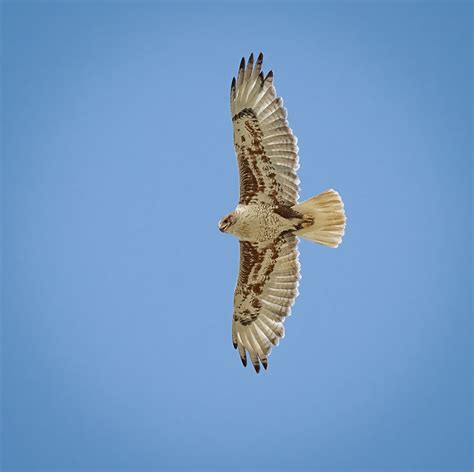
x=325, y=217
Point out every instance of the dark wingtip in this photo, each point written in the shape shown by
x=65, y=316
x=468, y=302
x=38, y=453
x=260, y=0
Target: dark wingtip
x=242, y=63
x=257, y=367
x=260, y=57
x=244, y=361
x=251, y=58
x=265, y=363
x=234, y=344
x=269, y=75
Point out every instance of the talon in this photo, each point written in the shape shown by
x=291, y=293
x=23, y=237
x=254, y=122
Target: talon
x=308, y=220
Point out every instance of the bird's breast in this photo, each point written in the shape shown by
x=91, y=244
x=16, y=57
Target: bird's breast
x=258, y=223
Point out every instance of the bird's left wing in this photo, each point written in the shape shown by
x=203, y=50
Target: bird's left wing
x=266, y=148
x=266, y=289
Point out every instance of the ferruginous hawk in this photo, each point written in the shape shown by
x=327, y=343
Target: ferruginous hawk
x=268, y=217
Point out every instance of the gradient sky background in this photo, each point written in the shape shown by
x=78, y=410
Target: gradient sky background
x=117, y=286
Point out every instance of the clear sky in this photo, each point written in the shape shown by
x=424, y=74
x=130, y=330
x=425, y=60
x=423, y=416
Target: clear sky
x=118, y=162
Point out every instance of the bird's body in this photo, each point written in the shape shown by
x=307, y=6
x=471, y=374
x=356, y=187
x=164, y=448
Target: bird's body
x=260, y=222
x=268, y=217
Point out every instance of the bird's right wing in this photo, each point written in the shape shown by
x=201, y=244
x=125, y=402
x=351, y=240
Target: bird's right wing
x=266, y=289
x=266, y=148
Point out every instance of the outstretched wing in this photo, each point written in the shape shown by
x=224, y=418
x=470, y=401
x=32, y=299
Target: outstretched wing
x=266, y=289
x=265, y=146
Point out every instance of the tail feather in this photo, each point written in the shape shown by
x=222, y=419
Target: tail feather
x=325, y=217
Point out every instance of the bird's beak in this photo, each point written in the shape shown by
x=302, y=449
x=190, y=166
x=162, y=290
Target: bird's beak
x=222, y=226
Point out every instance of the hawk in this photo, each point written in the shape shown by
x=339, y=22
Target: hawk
x=268, y=218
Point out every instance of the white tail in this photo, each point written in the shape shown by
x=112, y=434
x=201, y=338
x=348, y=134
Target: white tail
x=326, y=218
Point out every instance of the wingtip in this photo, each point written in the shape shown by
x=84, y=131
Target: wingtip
x=260, y=57
x=232, y=85
x=244, y=361
x=234, y=344
x=242, y=63
x=265, y=363
x=250, y=61
x=256, y=367
x=269, y=76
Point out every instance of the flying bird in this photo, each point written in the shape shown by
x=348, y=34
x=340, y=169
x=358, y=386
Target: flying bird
x=268, y=218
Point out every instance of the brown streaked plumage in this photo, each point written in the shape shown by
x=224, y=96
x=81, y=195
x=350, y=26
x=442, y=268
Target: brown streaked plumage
x=268, y=218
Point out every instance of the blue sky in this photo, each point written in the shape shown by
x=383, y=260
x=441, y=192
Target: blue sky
x=118, y=162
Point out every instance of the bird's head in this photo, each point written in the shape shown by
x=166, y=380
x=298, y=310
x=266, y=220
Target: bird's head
x=226, y=223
